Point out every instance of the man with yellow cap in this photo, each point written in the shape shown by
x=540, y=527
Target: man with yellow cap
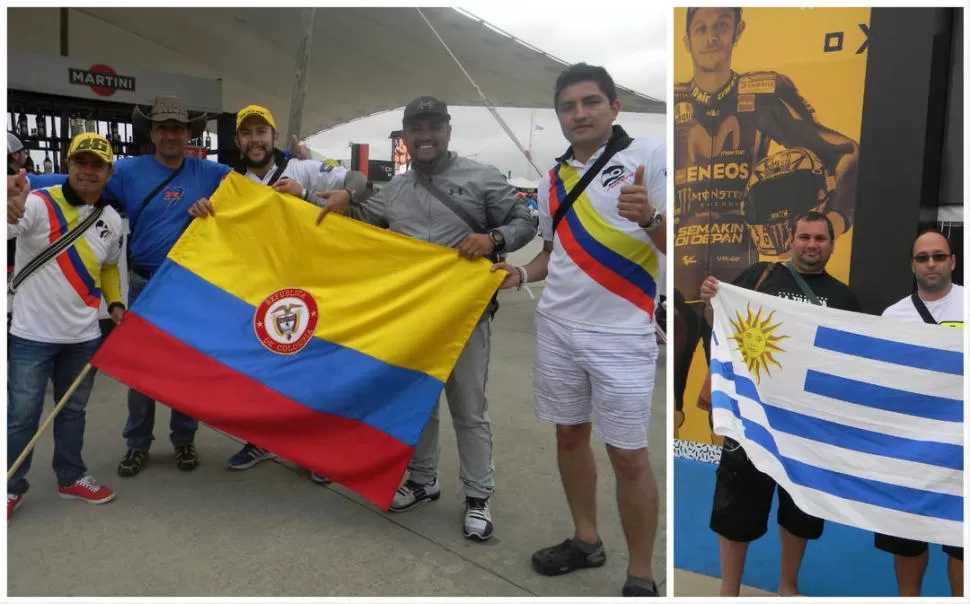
x=311, y=180
x=68, y=247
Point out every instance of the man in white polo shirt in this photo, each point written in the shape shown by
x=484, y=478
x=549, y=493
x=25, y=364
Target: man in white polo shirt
x=55, y=331
x=596, y=348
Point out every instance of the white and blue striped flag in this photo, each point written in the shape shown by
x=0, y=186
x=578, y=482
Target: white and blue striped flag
x=858, y=417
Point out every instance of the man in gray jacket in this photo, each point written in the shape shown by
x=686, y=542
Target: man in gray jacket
x=459, y=203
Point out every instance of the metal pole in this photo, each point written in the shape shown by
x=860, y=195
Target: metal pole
x=64, y=32
x=532, y=129
x=300, y=80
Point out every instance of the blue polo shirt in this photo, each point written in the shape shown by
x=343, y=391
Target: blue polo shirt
x=163, y=220
x=157, y=225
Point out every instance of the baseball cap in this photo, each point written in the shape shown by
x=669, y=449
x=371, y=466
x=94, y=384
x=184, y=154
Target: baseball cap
x=425, y=106
x=13, y=144
x=89, y=142
x=255, y=110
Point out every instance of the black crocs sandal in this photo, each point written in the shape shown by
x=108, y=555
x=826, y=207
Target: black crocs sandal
x=565, y=558
x=640, y=589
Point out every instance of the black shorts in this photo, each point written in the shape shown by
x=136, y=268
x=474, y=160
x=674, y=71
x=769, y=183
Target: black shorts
x=908, y=548
x=742, y=502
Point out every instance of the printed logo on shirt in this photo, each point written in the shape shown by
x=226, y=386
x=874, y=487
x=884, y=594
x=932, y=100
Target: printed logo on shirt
x=174, y=195
x=612, y=175
x=952, y=323
x=102, y=229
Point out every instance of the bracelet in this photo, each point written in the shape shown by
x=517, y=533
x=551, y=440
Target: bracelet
x=523, y=277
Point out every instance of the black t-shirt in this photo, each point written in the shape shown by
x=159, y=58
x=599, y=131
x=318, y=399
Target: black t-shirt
x=830, y=291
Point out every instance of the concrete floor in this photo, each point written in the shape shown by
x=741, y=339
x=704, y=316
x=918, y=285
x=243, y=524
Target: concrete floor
x=695, y=585
x=269, y=531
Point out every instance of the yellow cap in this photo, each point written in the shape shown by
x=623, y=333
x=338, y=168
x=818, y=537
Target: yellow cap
x=258, y=111
x=89, y=142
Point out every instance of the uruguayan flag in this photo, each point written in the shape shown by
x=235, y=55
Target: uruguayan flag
x=859, y=418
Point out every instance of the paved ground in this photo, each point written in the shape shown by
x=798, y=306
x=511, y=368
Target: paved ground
x=269, y=531
x=693, y=585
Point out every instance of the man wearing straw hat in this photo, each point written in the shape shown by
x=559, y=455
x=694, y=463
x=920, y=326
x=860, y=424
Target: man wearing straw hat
x=157, y=191
x=68, y=247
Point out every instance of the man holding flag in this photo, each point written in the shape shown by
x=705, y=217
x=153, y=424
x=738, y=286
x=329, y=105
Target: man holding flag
x=743, y=494
x=459, y=203
x=68, y=247
x=937, y=301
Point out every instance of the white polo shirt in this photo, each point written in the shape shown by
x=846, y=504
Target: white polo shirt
x=313, y=175
x=604, y=269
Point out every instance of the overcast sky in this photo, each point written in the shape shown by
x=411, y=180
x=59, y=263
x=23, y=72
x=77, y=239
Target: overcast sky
x=633, y=51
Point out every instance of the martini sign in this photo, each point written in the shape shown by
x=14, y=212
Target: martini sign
x=102, y=79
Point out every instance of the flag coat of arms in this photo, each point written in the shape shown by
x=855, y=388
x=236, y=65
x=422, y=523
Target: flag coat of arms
x=327, y=345
x=858, y=417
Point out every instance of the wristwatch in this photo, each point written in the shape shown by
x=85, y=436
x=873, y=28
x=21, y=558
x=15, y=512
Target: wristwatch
x=497, y=239
x=655, y=221
x=353, y=196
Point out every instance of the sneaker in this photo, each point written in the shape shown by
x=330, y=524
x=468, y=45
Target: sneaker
x=186, y=458
x=478, y=519
x=132, y=463
x=87, y=489
x=13, y=502
x=249, y=457
x=636, y=587
x=411, y=494
x=566, y=557
x=319, y=479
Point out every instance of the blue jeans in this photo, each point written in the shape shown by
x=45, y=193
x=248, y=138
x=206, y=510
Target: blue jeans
x=30, y=365
x=140, y=428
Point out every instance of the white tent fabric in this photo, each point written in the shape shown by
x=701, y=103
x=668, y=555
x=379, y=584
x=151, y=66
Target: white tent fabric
x=362, y=61
x=524, y=183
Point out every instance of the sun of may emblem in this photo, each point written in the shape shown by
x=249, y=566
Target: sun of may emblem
x=756, y=340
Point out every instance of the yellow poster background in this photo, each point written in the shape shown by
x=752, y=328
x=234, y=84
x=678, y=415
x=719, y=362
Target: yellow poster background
x=791, y=41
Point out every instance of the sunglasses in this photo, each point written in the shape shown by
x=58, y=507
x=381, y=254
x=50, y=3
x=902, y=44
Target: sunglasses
x=924, y=258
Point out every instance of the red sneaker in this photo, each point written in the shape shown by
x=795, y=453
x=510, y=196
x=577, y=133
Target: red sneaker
x=88, y=489
x=13, y=502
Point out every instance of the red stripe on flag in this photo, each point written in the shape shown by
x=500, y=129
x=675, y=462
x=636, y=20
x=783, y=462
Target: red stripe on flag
x=357, y=456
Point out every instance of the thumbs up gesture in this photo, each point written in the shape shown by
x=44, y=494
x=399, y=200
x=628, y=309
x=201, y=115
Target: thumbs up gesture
x=633, y=203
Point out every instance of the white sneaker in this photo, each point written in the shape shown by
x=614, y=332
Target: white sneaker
x=478, y=519
x=411, y=494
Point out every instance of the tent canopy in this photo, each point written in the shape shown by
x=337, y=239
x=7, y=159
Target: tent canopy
x=362, y=60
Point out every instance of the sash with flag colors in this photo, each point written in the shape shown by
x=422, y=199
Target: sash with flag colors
x=624, y=265
x=858, y=417
x=327, y=345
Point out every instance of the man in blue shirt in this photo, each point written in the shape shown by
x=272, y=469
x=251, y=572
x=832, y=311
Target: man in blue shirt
x=156, y=192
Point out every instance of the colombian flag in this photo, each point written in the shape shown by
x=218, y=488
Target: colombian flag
x=327, y=345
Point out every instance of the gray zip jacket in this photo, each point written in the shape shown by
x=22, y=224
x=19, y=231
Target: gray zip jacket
x=405, y=206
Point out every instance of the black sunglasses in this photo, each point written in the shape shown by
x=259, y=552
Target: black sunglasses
x=938, y=257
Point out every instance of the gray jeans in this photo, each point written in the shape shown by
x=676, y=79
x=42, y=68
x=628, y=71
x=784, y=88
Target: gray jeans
x=465, y=392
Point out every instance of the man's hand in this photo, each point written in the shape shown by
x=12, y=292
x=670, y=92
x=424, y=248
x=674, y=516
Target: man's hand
x=476, y=246
x=117, y=315
x=17, y=190
x=202, y=208
x=633, y=201
x=335, y=200
x=512, y=278
x=288, y=185
x=708, y=289
x=298, y=150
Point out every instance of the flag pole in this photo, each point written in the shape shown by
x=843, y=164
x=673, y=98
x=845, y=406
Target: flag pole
x=50, y=418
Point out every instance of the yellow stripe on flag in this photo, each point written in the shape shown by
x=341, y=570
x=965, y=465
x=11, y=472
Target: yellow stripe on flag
x=376, y=291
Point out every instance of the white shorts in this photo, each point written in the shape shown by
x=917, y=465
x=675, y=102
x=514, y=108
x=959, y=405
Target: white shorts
x=605, y=379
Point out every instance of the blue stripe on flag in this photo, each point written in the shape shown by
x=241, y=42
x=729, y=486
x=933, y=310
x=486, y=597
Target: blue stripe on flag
x=882, y=397
x=873, y=492
x=848, y=437
x=889, y=351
